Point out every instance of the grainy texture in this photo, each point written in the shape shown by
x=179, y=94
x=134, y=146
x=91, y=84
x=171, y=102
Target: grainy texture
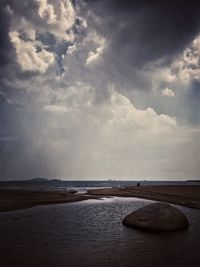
x=184, y=195
x=22, y=199
x=157, y=217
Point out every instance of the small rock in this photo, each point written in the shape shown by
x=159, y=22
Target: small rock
x=71, y=191
x=157, y=217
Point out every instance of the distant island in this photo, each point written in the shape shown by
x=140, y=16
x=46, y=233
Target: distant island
x=39, y=179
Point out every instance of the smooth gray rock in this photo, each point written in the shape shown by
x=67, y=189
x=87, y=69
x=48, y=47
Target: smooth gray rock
x=157, y=217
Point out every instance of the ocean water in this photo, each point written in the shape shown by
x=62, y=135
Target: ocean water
x=90, y=234
x=82, y=186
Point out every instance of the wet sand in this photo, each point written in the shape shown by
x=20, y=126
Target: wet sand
x=22, y=199
x=184, y=195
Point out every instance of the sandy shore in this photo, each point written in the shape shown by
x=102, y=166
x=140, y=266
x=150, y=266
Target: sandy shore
x=185, y=195
x=22, y=199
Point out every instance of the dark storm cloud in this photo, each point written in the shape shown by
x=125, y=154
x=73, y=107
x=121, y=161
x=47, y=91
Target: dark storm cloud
x=5, y=45
x=141, y=31
x=138, y=31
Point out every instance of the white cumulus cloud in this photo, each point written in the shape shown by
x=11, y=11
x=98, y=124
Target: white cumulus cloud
x=168, y=92
x=100, y=42
x=30, y=54
x=125, y=115
x=184, y=69
x=28, y=33
x=58, y=18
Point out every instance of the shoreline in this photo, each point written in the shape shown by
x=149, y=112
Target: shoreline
x=183, y=195
x=12, y=200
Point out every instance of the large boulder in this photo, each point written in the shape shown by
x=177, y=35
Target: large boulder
x=157, y=217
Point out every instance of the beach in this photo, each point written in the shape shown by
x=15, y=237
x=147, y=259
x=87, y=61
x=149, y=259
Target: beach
x=184, y=195
x=11, y=200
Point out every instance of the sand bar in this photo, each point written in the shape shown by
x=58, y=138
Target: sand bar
x=184, y=195
x=22, y=199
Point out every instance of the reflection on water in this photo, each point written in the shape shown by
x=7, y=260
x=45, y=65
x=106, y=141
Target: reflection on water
x=90, y=233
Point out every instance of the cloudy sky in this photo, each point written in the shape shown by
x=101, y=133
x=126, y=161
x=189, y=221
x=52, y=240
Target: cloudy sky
x=99, y=89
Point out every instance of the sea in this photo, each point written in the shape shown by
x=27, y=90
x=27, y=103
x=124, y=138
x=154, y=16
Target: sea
x=83, y=185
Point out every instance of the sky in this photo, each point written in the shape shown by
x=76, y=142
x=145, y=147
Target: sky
x=99, y=89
